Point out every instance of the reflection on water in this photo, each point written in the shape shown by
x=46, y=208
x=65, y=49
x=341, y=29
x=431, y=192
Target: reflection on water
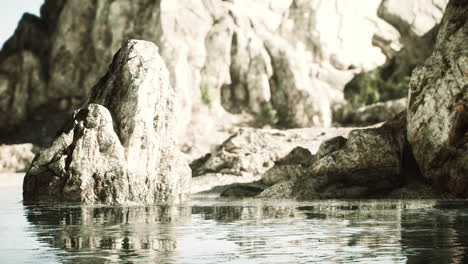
x=211, y=230
x=119, y=232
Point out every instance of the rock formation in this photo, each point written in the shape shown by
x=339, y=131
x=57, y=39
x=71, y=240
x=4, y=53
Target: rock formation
x=367, y=164
x=121, y=146
x=417, y=23
x=249, y=153
x=278, y=59
x=438, y=105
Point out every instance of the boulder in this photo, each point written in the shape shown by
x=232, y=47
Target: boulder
x=438, y=106
x=281, y=190
x=120, y=148
x=249, y=153
x=367, y=164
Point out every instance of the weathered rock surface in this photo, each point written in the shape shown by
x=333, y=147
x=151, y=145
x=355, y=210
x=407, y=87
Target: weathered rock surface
x=249, y=153
x=438, y=105
x=121, y=147
x=281, y=190
x=370, y=114
x=291, y=166
x=16, y=158
x=367, y=164
x=278, y=59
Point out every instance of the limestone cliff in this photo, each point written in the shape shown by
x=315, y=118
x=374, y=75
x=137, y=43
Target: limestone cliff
x=278, y=62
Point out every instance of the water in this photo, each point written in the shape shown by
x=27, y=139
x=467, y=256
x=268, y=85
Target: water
x=210, y=230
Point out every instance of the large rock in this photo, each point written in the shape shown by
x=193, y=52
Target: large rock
x=438, y=105
x=278, y=59
x=367, y=164
x=119, y=148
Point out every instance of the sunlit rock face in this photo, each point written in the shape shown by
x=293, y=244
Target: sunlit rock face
x=412, y=18
x=417, y=22
x=279, y=59
x=121, y=147
x=438, y=105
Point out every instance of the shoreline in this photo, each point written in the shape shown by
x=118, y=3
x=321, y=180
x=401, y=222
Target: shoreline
x=8, y=179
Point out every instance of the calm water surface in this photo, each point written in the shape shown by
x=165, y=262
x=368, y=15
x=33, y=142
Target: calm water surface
x=210, y=230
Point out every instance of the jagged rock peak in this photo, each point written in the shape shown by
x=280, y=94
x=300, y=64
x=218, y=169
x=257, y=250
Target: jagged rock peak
x=120, y=148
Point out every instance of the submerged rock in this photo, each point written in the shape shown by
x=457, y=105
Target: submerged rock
x=438, y=106
x=120, y=148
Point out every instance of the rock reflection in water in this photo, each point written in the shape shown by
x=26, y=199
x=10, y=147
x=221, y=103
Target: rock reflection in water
x=431, y=237
x=253, y=231
x=120, y=231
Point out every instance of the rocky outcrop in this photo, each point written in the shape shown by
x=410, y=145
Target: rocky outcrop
x=121, y=147
x=249, y=153
x=278, y=59
x=438, y=105
x=16, y=158
x=367, y=164
x=290, y=166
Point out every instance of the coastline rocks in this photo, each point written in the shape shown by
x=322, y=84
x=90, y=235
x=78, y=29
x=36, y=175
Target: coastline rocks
x=249, y=153
x=16, y=158
x=290, y=166
x=438, y=106
x=120, y=148
x=365, y=165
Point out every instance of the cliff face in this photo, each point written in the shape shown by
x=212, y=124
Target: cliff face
x=277, y=62
x=438, y=105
